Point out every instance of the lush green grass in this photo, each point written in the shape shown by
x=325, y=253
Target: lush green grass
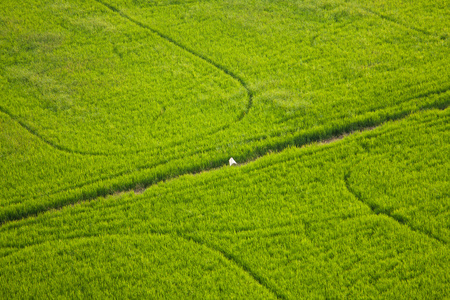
x=94, y=83
x=117, y=94
x=309, y=222
x=107, y=97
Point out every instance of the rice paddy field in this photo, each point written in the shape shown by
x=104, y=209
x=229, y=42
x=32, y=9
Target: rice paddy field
x=118, y=117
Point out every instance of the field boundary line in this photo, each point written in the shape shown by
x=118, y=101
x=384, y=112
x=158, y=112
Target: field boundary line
x=235, y=261
x=189, y=50
x=377, y=210
x=207, y=60
x=45, y=140
x=217, y=164
x=231, y=259
x=393, y=20
x=72, y=200
x=170, y=40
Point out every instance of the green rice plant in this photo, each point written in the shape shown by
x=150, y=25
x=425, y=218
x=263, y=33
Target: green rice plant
x=102, y=97
x=296, y=224
x=118, y=94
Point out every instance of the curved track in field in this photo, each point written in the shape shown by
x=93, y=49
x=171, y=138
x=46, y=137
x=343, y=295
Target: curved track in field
x=359, y=125
x=191, y=51
x=168, y=39
x=47, y=141
x=196, y=169
x=239, y=264
x=229, y=258
x=380, y=211
x=207, y=60
x=392, y=20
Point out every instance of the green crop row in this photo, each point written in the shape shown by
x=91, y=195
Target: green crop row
x=89, y=81
x=104, y=98
x=365, y=217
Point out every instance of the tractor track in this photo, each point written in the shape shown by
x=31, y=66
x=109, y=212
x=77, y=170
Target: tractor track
x=227, y=257
x=378, y=210
x=45, y=140
x=299, y=141
x=190, y=51
x=225, y=70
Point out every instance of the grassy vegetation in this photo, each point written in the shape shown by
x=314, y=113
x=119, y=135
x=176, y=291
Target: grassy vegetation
x=137, y=106
x=118, y=94
x=95, y=83
x=307, y=222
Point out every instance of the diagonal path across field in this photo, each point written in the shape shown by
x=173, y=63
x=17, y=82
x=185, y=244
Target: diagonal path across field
x=192, y=52
x=290, y=222
x=378, y=210
x=45, y=140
